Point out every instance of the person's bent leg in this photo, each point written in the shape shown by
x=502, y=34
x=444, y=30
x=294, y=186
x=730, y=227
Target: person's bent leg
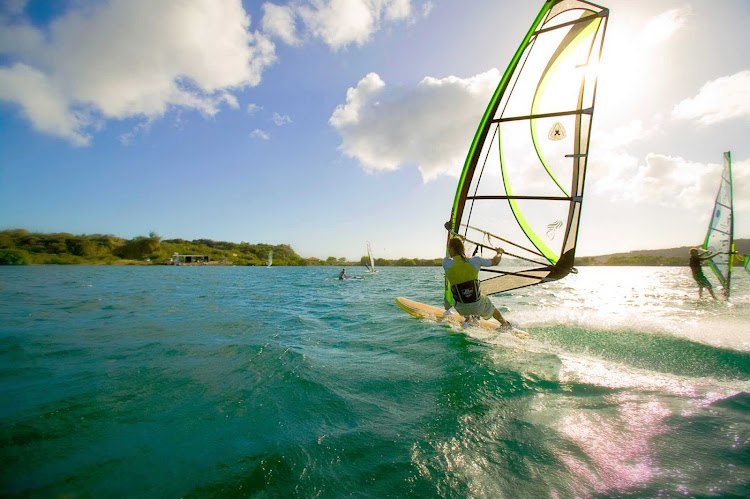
x=497, y=315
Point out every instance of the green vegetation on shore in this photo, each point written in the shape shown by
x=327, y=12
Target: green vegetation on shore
x=21, y=247
x=657, y=258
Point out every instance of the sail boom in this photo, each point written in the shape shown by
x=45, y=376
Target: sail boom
x=576, y=112
x=540, y=198
x=489, y=234
x=516, y=273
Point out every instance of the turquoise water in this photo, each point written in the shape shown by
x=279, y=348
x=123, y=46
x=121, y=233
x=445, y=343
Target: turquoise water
x=284, y=382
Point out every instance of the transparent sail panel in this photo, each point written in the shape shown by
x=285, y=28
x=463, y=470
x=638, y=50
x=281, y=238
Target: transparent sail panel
x=563, y=11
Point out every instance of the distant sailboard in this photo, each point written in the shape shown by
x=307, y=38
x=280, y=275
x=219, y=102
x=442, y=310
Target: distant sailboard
x=522, y=183
x=270, y=259
x=371, y=267
x=720, y=234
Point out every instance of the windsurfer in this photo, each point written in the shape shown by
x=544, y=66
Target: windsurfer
x=462, y=274
x=697, y=257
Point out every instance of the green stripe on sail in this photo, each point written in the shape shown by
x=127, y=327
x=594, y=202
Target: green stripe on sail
x=535, y=240
x=578, y=39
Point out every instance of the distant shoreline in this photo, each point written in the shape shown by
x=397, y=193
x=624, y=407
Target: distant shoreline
x=21, y=247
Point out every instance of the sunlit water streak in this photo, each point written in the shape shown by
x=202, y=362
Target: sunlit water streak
x=204, y=381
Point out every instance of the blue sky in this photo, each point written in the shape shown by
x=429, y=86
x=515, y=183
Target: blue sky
x=326, y=123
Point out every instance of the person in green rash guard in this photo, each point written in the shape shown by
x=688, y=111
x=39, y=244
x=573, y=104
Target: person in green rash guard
x=696, y=260
x=462, y=274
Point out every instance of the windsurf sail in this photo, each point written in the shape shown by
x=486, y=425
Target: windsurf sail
x=719, y=238
x=522, y=183
x=270, y=259
x=747, y=263
x=371, y=267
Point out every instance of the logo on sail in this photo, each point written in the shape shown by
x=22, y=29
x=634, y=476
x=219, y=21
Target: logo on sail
x=553, y=228
x=557, y=132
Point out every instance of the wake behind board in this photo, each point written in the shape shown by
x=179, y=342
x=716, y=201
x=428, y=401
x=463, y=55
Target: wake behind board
x=429, y=312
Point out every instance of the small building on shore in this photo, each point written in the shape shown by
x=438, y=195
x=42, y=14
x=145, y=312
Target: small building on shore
x=178, y=259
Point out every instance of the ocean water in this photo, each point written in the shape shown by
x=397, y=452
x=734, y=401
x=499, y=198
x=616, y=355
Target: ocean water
x=285, y=382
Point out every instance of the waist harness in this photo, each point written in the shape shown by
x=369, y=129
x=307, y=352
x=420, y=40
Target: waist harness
x=466, y=292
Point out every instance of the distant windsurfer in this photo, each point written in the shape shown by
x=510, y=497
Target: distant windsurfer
x=463, y=274
x=697, y=257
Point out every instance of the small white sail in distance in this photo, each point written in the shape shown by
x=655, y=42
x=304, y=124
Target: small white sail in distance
x=371, y=267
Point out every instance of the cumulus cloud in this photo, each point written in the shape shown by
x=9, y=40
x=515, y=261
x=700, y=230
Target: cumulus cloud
x=135, y=58
x=670, y=181
x=259, y=134
x=279, y=21
x=253, y=108
x=338, y=23
x=718, y=100
x=42, y=103
x=620, y=136
x=663, y=26
x=430, y=125
x=281, y=119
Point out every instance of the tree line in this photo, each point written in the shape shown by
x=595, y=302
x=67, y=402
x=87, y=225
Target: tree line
x=21, y=247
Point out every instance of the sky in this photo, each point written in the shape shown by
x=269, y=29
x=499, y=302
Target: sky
x=324, y=124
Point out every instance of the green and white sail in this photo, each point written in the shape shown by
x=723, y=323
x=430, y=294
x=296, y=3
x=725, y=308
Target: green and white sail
x=720, y=235
x=270, y=259
x=522, y=183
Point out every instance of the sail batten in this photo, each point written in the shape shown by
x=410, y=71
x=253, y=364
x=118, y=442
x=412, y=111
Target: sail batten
x=543, y=198
x=526, y=166
x=545, y=115
x=602, y=13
